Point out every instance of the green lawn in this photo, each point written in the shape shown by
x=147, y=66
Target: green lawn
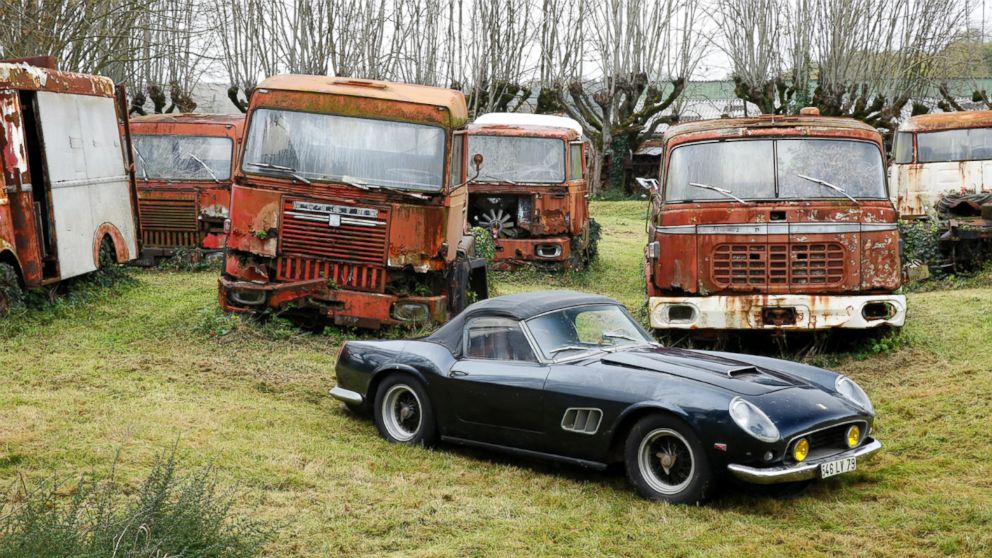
x=134, y=368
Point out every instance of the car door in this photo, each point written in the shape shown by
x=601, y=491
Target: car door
x=496, y=387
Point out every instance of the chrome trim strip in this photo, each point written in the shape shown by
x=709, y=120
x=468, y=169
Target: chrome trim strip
x=776, y=228
x=804, y=471
x=346, y=395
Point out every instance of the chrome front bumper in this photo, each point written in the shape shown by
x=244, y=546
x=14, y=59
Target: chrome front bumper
x=346, y=396
x=799, y=472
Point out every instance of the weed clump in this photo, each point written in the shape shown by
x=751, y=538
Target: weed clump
x=172, y=514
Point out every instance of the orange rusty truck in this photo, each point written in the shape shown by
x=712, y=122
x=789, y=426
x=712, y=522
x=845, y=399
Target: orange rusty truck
x=531, y=195
x=773, y=223
x=348, y=205
x=66, y=192
x=183, y=168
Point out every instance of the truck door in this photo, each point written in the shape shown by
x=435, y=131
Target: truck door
x=87, y=176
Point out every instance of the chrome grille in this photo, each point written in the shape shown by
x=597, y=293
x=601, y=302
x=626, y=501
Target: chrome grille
x=350, y=276
x=759, y=265
x=334, y=231
x=168, y=222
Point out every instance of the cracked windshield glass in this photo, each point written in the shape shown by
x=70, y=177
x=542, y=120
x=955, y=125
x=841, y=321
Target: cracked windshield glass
x=357, y=151
x=182, y=158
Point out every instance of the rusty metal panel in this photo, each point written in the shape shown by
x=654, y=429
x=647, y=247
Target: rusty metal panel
x=254, y=220
x=87, y=176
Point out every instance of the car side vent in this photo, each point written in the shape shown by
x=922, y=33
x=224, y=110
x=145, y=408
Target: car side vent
x=583, y=421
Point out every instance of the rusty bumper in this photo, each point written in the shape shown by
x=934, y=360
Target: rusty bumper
x=344, y=307
x=777, y=312
x=551, y=249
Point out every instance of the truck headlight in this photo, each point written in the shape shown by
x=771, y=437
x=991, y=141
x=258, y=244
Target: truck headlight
x=850, y=390
x=753, y=420
x=411, y=312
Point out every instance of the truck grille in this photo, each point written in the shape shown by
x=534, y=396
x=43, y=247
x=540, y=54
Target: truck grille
x=168, y=222
x=358, y=277
x=759, y=265
x=335, y=231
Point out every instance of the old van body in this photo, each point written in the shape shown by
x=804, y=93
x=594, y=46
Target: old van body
x=66, y=190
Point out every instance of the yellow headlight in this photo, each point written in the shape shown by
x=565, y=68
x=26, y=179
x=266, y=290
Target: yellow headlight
x=853, y=436
x=800, y=450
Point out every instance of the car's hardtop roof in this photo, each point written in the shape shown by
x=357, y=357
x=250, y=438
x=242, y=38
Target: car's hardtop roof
x=520, y=306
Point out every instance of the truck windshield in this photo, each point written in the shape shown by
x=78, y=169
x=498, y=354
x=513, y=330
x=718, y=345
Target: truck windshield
x=359, y=151
x=182, y=157
x=519, y=159
x=972, y=144
x=771, y=169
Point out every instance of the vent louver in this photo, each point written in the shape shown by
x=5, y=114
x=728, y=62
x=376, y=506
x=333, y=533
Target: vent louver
x=583, y=421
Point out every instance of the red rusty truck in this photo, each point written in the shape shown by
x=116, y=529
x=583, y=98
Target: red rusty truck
x=348, y=205
x=531, y=195
x=773, y=223
x=66, y=192
x=183, y=168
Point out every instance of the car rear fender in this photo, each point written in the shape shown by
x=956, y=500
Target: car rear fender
x=392, y=368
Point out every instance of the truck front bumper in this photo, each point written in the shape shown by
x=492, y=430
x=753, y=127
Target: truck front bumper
x=344, y=307
x=777, y=312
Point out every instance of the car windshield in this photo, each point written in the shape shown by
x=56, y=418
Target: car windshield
x=182, y=157
x=358, y=151
x=770, y=169
x=573, y=331
x=519, y=159
x=973, y=144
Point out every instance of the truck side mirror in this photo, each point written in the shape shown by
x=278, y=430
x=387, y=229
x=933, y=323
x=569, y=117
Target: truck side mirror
x=649, y=184
x=477, y=164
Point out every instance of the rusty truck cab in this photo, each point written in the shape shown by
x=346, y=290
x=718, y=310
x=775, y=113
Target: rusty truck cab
x=66, y=193
x=183, y=168
x=348, y=204
x=531, y=192
x=937, y=154
x=774, y=223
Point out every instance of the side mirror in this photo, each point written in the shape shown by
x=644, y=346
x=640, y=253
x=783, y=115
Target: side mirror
x=477, y=163
x=649, y=184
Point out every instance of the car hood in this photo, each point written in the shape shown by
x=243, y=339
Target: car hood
x=733, y=375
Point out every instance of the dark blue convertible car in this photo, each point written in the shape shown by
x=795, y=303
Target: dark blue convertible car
x=572, y=377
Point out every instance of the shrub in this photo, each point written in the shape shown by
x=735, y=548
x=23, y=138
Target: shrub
x=173, y=514
x=485, y=245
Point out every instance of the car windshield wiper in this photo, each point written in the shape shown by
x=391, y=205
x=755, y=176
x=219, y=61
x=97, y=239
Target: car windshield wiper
x=289, y=170
x=717, y=189
x=621, y=335
x=833, y=187
x=204, y=165
x=553, y=352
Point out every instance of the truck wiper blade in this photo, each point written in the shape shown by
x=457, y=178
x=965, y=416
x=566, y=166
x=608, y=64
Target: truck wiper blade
x=204, y=165
x=144, y=163
x=351, y=181
x=833, y=187
x=723, y=191
x=289, y=170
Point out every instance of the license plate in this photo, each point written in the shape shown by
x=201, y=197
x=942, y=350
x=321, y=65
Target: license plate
x=334, y=220
x=838, y=467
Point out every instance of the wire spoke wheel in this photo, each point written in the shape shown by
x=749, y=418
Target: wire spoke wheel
x=666, y=461
x=402, y=413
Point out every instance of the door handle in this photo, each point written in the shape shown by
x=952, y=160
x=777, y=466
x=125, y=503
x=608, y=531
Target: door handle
x=457, y=374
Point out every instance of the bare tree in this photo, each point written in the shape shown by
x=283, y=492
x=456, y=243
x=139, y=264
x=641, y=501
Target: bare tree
x=643, y=52
x=867, y=58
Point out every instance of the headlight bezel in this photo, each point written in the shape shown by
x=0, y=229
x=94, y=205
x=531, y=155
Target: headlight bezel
x=747, y=415
x=851, y=391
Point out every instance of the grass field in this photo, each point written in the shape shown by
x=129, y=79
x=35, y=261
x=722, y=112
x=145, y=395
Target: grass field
x=133, y=368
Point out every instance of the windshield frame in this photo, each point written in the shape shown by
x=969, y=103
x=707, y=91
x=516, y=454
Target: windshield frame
x=650, y=341
x=564, y=158
x=670, y=151
x=283, y=176
x=138, y=175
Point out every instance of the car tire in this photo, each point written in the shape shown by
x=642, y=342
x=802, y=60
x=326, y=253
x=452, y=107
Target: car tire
x=403, y=412
x=665, y=461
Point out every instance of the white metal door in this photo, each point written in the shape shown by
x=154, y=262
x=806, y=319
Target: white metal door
x=86, y=170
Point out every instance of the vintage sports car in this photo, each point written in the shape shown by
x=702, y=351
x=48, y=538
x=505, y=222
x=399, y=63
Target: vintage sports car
x=572, y=377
